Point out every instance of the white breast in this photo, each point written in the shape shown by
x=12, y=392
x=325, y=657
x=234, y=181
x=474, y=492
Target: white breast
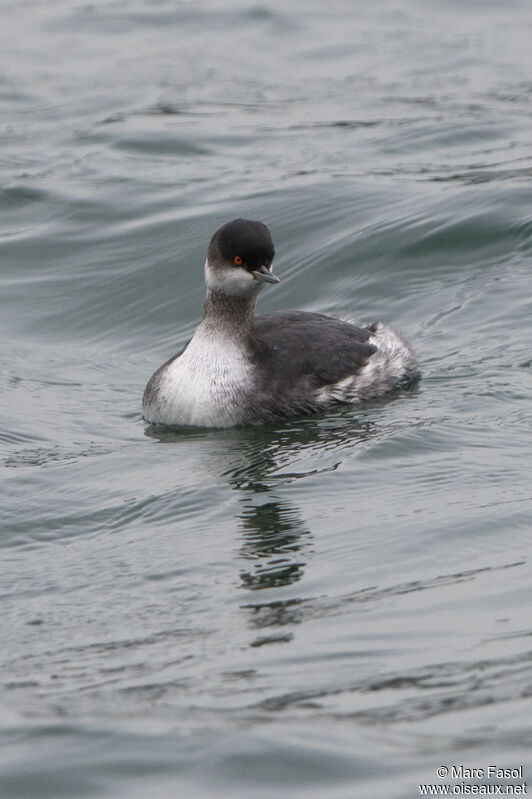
x=206, y=386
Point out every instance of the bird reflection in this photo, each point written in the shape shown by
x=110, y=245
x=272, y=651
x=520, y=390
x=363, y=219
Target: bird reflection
x=274, y=540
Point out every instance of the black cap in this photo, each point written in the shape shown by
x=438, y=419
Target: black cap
x=245, y=239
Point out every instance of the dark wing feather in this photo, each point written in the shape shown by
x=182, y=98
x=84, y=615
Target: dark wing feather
x=295, y=347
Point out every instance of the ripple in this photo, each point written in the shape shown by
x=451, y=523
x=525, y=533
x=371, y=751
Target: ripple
x=43, y=456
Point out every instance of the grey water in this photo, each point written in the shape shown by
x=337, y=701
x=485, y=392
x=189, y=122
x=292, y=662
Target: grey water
x=333, y=606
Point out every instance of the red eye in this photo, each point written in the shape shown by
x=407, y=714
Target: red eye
x=237, y=260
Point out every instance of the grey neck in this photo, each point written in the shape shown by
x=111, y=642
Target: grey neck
x=229, y=313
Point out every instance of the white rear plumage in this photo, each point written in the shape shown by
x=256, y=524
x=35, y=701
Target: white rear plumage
x=392, y=365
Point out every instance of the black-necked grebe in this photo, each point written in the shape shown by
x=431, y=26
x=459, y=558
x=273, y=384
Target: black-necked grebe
x=240, y=369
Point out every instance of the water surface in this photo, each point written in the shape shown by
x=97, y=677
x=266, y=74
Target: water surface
x=332, y=606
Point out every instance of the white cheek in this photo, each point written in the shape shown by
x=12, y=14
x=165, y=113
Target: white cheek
x=235, y=282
